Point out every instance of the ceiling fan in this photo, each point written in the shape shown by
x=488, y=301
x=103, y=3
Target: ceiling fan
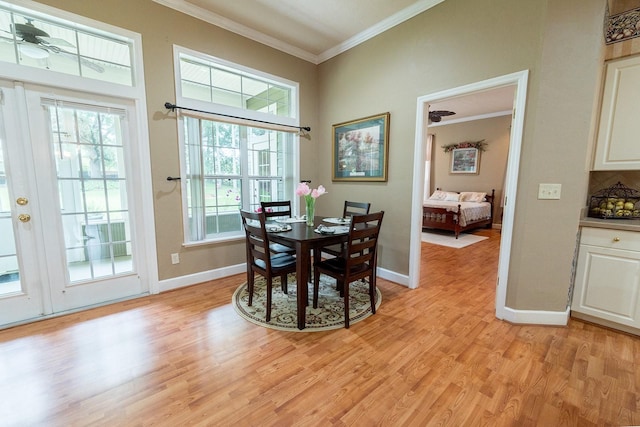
x=436, y=116
x=37, y=44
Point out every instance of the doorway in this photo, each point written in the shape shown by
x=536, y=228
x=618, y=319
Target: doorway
x=68, y=215
x=519, y=80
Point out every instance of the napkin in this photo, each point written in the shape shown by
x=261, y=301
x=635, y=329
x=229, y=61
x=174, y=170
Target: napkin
x=323, y=229
x=337, y=220
x=274, y=228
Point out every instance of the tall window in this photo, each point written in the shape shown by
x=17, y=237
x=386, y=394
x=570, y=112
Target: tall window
x=231, y=163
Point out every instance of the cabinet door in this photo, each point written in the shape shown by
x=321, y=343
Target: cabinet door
x=608, y=284
x=617, y=146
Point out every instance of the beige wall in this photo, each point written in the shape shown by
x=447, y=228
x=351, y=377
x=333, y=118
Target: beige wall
x=460, y=42
x=455, y=43
x=493, y=161
x=161, y=28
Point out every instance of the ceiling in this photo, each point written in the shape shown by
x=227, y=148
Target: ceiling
x=314, y=30
x=317, y=30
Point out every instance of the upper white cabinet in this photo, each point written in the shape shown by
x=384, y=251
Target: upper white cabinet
x=618, y=140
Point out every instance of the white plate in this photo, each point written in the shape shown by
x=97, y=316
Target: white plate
x=291, y=220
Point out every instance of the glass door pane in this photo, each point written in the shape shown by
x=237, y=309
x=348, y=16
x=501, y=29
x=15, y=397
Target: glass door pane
x=9, y=271
x=92, y=188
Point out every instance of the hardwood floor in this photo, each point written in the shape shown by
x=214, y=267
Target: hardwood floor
x=431, y=356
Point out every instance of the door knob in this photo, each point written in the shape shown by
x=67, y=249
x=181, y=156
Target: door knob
x=22, y=201
x=24, y=217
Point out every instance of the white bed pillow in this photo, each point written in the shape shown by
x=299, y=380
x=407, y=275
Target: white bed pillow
x=438, y=195
x=471, y=196
x=452, y=197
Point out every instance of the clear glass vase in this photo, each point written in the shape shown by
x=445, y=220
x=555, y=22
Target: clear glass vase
x=311, y=210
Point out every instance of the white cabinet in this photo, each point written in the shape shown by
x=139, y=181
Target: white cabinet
x=617, y=144
x=607, y=283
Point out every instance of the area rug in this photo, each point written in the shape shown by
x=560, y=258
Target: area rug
x=329, y=314
x=449, y=239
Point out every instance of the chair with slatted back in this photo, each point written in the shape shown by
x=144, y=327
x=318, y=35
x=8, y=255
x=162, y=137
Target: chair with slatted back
x=261, y=260
x=279, y=209
x=356, y=263
x=350, y=209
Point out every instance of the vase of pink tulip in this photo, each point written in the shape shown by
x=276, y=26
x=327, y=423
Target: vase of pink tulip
x=310, y=197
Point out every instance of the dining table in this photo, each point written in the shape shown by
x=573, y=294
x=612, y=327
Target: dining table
x=305, y=240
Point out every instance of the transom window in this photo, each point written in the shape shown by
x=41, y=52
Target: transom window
x=212, y=82
x=33, y=39
x=229, y=163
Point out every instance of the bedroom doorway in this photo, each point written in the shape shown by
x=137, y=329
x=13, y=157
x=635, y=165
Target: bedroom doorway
x=519, y=82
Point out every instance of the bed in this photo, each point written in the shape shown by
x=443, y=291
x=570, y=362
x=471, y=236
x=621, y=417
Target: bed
x=458, y=211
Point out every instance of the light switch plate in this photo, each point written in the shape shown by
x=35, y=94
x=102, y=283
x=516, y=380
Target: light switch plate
x=549, y=191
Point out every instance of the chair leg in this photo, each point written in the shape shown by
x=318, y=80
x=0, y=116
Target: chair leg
x=316, y=286
x=268, y=308
x=283, y=284
x=345, y=289
x=250, y=287
x=372, y=293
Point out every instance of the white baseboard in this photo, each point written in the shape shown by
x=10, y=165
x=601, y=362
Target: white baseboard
x=537, y=317
x=203, y=276
x=392, y=276
x=532, y=317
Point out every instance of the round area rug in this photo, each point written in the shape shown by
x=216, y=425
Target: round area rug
x=328, y=315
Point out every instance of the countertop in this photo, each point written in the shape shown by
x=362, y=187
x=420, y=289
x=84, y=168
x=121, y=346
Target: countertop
x=612, y=224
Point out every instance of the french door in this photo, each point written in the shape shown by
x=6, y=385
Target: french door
x=68, y=215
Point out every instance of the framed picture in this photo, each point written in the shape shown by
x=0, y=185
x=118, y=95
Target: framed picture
x=465, y=160
x=361, y=149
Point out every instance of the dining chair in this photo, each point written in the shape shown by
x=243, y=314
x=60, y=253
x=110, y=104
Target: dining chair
x=356, y=263
x=278, y=209
x=350, y=209
x=261, y=260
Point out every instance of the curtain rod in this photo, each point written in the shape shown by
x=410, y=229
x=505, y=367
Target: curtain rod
x=172, y=107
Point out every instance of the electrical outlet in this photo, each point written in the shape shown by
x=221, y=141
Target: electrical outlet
x=549, y=191
x=175, y=258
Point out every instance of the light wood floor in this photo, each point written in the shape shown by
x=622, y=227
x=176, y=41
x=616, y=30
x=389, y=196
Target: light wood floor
x=431, y=356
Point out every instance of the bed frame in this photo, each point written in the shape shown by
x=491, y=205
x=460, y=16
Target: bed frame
x=441, y=219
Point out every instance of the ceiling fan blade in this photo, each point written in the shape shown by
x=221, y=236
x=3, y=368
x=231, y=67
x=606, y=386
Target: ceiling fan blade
x=90, y=64
x=55, y=41
x=33, y=50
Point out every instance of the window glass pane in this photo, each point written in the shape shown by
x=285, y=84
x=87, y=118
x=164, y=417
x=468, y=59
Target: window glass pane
x=226, y=80
x=254, y=87
x=7, y=48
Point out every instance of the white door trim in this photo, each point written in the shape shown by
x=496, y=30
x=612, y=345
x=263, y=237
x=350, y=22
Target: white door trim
x=519, y=79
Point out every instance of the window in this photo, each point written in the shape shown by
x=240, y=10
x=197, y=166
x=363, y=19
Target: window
x=236, y=162
x=34, y=39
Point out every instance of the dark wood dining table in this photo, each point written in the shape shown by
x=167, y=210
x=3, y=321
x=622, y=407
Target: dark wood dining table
x=305, y=240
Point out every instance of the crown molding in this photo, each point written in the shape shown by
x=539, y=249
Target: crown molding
x=379, y=28
x=235, y=27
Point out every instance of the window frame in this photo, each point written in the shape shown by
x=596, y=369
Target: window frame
x=245, y=117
